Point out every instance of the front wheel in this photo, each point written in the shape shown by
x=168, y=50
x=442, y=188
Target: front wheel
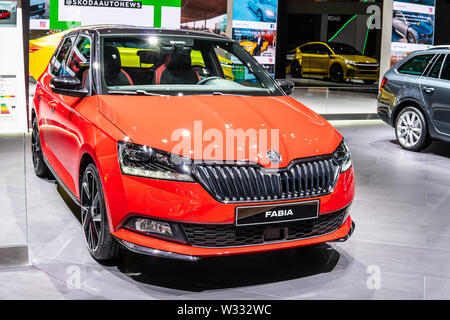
x=336, y=73
x=100, y=242
x=411, y=129
x=411, y=38
x=40, y=168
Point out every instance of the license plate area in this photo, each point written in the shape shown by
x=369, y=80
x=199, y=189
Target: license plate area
x=277, y=213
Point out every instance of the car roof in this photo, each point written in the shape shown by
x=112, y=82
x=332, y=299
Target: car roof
x=126, y=29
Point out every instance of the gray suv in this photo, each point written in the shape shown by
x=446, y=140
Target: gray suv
x=414, y=98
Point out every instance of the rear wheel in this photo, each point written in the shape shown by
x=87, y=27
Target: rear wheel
x=411, y=129
x=40, y=168
x=100, y=242
x=336, y=73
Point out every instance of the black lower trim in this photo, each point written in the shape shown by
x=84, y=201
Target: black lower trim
x=156, y=252
x=58, y=179
x=349, y=234
x=348, y=116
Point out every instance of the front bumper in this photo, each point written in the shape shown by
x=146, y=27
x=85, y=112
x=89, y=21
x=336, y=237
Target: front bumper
x=189, y=203
x=145, y=245
x=361, y=73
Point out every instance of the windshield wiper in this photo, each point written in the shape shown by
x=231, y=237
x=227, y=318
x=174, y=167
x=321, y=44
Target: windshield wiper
x=150, y=93
x=137, y=92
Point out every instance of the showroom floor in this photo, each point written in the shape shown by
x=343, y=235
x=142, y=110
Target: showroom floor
x=400, y=249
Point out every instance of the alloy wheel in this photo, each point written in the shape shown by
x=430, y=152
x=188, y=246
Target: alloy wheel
x=91, y=210
x=336, y=73
x=35, y=145
x=409, y=129
x=411, y=38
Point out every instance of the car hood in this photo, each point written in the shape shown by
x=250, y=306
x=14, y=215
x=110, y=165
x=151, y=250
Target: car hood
x=358, y=58
x=159, y=122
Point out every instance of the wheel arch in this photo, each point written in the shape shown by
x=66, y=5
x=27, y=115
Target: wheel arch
x=404, y=104
x=87, y=156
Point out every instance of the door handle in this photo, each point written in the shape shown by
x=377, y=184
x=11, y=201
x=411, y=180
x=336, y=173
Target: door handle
x=428, y=89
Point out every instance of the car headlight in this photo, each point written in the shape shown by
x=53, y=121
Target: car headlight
x=342, y=156
x=143, y=161
x=352, y=63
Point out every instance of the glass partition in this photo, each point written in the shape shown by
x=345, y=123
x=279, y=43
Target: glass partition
x=13, y=125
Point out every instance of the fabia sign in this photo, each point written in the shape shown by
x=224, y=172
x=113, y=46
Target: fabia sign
x=105, y=3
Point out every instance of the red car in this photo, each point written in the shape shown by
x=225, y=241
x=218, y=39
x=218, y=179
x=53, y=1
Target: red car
x=5, y=14
x=167, y=157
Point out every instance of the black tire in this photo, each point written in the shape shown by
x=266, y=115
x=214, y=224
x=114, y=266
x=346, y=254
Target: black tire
x=296, y=69
x=369, y=81
x=39, y=165
x=407, y=134
x=336, y=73
x=410, y=37
x=99, y=241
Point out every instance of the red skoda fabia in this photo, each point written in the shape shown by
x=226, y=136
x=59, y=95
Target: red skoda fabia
x=179, y=144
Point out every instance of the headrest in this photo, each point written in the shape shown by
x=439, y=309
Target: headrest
x=176, y=58
x=149, y=57
x=111, y=60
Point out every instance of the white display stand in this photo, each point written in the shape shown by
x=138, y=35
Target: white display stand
x=13, y=125
x=13, y=110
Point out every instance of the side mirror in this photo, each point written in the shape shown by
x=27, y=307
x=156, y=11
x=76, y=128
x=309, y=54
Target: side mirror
x=286, y=85
x=68, y=86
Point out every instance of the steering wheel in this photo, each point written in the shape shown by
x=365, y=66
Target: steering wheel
x=203, y=81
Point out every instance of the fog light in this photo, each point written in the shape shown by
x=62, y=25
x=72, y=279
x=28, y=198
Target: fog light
x=153, y=226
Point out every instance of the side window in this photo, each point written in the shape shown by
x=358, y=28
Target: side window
x=416, y=65
x=445, y=74
x=78, y=63
x=308, y=49
x=57, y=60
x=434, y=73
x=321, y=49
x=234, y=70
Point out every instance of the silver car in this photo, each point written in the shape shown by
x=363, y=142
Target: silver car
x=414, y=98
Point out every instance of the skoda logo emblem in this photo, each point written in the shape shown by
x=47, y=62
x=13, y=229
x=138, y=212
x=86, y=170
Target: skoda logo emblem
x=274, y=156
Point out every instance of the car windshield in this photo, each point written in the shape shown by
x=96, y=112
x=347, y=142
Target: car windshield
x=342, y=48
x=156, y=64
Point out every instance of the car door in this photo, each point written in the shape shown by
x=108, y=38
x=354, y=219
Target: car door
x=413, y=69
x=67, y=119
x=47, y=105
x=321, y=59
x=436, y=94
x=307, y=52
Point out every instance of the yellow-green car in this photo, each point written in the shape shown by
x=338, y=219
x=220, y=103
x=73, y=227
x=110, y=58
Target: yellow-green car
x=42, y=49
x=334, y=61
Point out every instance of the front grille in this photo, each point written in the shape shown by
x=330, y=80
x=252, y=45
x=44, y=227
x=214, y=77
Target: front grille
x=244, y=183
x=214, y=236
x=369, y=67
